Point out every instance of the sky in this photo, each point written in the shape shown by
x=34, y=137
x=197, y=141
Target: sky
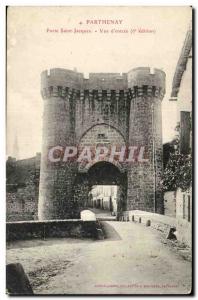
x=32, y=47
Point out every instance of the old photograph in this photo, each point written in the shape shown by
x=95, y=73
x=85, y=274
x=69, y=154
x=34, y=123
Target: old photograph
x=99, y=150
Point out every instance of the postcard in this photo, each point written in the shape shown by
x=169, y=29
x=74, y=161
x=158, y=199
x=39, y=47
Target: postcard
x=99, y=150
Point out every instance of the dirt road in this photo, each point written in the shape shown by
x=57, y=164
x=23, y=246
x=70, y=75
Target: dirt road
x=132, y=260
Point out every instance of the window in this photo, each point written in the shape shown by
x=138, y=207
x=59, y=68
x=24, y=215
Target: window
x=101, y=136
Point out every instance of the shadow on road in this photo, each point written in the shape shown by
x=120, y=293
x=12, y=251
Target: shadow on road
x=110, y=233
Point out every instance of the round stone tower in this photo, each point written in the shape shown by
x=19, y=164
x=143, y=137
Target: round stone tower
x=58, y=89
x=146, y=90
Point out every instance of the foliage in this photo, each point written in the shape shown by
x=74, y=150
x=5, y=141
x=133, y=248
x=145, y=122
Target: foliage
x=178, y=172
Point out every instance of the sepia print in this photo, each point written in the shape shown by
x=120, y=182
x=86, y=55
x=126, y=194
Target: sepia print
x=99, y=150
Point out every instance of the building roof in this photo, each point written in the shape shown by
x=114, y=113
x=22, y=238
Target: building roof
x=181, y=64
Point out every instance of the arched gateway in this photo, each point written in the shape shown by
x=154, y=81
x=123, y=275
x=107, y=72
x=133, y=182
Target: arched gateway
x=101, y=131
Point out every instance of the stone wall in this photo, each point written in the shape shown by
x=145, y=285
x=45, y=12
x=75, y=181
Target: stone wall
x=104, y=135
x=22, y=187
x=50, y=229
x=101, y=106
x=170, y=203
x=184, y=204
x=162, y=223
x=130, y=103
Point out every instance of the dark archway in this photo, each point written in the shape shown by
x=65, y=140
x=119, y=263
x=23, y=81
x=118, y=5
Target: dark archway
x=104, y=173
x=101, y=173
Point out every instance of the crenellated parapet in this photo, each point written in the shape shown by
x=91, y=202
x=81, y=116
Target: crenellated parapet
x=145, y=82
x=107, y=95
x=62, y=82
x=65, y=92
x=146, y=91
x=61, y=78
x=138, y=82
x=59, y=92
x=106, y=81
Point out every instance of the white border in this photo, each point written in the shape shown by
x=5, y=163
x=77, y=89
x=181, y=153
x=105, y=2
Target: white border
x=3, y=5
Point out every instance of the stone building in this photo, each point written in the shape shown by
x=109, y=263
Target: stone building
x=106, y=109
x=182, y=90
x=178, y=203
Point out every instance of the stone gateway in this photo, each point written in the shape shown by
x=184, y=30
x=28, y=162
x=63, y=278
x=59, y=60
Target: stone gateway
x=106, y=109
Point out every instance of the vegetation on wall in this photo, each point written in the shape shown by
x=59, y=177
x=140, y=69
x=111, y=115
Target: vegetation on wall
x=178, y=171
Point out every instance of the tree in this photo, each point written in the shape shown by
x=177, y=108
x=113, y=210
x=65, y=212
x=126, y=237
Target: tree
x=178, y=172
